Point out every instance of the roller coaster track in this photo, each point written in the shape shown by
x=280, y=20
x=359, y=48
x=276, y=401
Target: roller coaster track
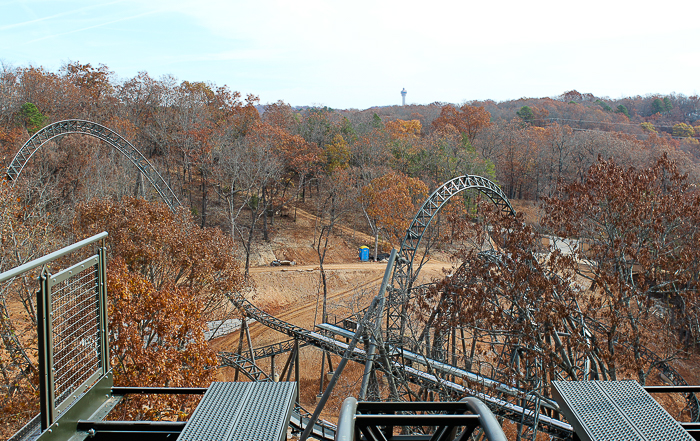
x=296, y=332
x=75, y=126
x=432, y=372
x=426, y=378
x=404, y=272
x=435, y=375
x=266, y=351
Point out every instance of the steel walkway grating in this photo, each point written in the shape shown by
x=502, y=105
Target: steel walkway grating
x=615, y=410
x=243, y=412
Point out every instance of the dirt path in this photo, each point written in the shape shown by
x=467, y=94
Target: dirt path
x=378, y=266
x=304, y=314
x=293, y=294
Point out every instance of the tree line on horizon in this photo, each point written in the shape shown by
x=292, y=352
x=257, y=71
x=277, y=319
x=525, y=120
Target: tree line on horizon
x=199, y=135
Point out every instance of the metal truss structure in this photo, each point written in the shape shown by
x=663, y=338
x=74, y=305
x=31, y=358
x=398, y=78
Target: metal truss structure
x=75, y=126
x=404, y=271
x=407, y=368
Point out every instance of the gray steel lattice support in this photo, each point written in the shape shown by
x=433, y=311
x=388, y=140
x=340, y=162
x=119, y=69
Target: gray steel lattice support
x=404, y=273
x=416, y=376
x=75, y=126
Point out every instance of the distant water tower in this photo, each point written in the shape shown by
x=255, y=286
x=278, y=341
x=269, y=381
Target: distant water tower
x=403, y=96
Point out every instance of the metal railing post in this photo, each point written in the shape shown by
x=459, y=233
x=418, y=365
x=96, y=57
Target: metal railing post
x=46, y=371
x=346, y=421
x=102, y=305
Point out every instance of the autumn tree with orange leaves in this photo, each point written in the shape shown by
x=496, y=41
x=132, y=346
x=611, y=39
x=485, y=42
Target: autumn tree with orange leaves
x=624, y=288
x=388, y=202
x=25, y=234
x=166, y=279
x=641, y=228
x=403, y=129
x=468, y=120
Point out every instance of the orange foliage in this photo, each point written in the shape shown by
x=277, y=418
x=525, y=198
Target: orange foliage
x=391, y=201
x=298, y=156
x=404, y=129
x=157, y=339
x=167, y=277
x=164, y=246
x=468, y=120
x=336, y=155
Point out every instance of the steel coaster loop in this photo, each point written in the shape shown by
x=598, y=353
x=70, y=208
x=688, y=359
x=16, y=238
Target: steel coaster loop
x=81, y=127
x=404, y=275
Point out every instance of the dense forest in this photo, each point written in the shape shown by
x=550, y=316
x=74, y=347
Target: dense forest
x=216, y=148
x=235, y=164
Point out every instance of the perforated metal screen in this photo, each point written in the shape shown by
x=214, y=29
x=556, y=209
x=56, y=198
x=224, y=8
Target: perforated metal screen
x=73, y=351
x=242, y=411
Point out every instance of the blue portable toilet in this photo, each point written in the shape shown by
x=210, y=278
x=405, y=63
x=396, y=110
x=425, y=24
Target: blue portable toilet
x=364, y=254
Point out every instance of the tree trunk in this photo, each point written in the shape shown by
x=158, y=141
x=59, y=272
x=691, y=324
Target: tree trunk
x=376, y=243
x=204, y=198
x=264, y=208
x=249, y=243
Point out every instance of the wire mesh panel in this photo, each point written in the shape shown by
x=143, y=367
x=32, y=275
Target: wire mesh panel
x=75, y=326
x=73, y=350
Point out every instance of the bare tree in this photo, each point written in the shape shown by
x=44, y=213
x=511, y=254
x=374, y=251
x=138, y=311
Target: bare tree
x=247, y=169
x=335, y=201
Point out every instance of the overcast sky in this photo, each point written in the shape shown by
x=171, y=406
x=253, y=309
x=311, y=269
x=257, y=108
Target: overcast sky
x=359, y=54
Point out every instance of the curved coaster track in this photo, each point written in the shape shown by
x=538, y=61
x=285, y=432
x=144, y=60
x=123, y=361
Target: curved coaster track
x=433, y=372
x=76, y=126
x=429, y=376
x=444, y=379
x=404, y=272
